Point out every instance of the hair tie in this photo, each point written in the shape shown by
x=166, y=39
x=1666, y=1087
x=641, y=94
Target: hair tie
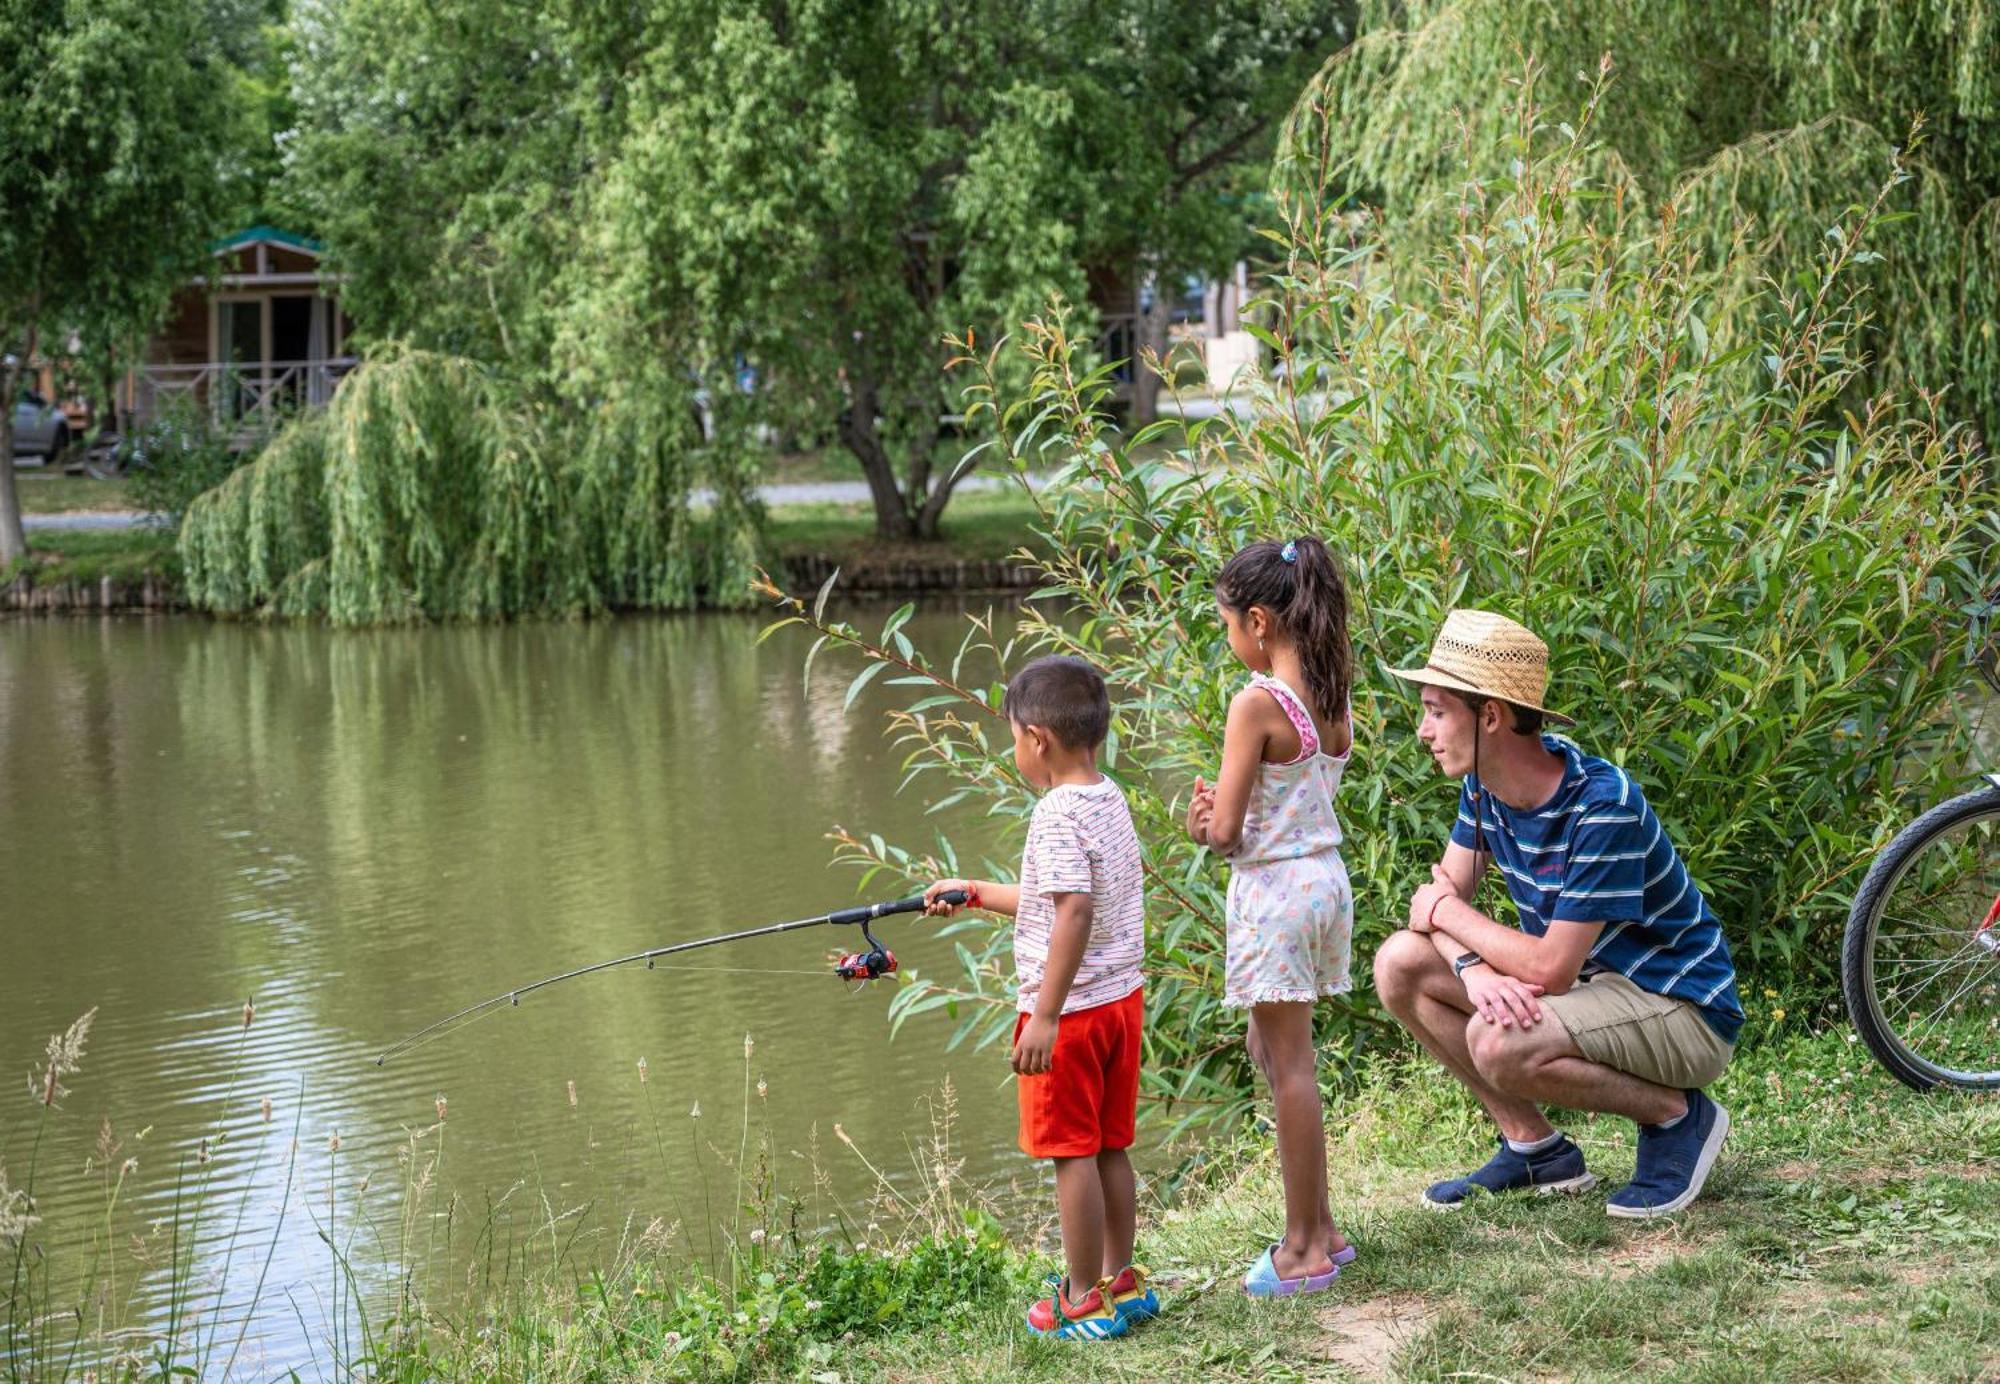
x=1290, y=552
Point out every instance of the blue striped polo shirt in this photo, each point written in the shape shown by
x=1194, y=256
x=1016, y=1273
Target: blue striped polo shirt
x=1595, y=853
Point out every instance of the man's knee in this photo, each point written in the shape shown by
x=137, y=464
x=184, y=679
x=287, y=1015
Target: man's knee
x=1400, y=963
x=1505, y=1054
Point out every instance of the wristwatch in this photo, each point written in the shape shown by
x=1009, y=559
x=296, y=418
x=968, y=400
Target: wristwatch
x=1459, y=963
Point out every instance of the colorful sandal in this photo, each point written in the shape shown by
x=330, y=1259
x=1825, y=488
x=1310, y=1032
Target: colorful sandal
x=1263, y=1282
x=1133, y=1296
x=1092, y=1319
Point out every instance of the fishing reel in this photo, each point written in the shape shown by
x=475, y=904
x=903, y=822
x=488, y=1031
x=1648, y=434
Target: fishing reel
x=873, y=964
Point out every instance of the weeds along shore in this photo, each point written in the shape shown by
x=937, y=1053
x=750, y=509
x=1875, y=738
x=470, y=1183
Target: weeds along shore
x=1848, y=1234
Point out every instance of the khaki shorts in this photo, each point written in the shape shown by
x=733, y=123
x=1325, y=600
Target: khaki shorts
x=1614, y=1022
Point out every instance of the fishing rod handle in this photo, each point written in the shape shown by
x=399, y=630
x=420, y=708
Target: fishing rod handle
x=916, y=903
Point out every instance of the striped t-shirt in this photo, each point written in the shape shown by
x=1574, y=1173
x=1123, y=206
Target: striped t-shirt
x=1595, y=853
x=1081, y=841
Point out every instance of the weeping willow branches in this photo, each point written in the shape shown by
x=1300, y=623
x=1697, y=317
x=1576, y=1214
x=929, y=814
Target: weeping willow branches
x=428, y=491
x=1750, y=124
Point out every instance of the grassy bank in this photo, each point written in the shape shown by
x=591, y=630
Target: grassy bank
x=1848, y=1233
x=83, y=556
x=977, y=527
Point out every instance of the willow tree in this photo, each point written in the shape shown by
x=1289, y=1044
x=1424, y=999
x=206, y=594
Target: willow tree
x=1762, y=119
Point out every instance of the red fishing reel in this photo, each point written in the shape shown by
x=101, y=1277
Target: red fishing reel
x=868, y=965
x=873, y=964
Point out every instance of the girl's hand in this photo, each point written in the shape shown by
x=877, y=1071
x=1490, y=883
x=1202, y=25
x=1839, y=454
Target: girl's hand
x=938, y=908
x=1201, y=806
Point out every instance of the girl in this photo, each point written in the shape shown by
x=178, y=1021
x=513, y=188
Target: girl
x=1291, y=913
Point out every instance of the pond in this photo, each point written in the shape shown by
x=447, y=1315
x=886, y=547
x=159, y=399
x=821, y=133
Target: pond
x=366, y=831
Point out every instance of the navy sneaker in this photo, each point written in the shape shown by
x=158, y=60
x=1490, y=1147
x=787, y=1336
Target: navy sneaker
x=1673, y=1163
x=1555, y=1169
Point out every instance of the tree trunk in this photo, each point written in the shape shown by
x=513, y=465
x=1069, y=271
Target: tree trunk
x=860, y=435
x=13, y=538
x=1149, y=337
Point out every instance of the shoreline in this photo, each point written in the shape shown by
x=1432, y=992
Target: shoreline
x=158, y=592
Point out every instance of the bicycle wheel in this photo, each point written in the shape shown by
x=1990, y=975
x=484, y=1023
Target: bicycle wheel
x=1921, y=960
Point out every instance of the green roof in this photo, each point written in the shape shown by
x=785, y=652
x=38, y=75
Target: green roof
x=252, y=234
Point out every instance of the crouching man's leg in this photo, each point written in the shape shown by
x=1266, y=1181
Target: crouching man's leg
x=1606, y=1045
x=1418, y=988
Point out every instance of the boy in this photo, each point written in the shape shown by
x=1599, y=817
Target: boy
x=1079, y=937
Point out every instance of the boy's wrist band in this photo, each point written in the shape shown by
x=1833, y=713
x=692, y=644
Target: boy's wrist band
x=971, y=894
x=1431, y=918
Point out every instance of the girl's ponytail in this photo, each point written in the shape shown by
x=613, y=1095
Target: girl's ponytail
x=1300, y=583
x=1317, y=622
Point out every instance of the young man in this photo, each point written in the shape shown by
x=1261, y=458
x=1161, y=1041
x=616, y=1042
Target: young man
x=1616, y=992
x=1079, y=939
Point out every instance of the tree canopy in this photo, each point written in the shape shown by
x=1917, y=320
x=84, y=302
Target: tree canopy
x=114, y=140
x=775, y=211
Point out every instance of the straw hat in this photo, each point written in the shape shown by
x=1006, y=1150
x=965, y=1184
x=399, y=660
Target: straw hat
x=1489, y=655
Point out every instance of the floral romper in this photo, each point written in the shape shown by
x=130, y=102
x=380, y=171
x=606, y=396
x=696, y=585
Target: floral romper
x=1291, y=912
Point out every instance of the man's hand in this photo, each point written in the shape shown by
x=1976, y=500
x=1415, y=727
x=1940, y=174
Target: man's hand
x=938, y=908
x=1500, y=999
x=1034, y=1050
x=1424, y=903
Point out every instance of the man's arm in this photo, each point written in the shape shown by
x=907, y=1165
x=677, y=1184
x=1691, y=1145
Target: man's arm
x=1465, y=867
x=1552, y=961
x=1035, y=1050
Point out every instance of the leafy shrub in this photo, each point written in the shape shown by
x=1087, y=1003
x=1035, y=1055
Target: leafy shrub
x=175, y=458
x=1757, y=601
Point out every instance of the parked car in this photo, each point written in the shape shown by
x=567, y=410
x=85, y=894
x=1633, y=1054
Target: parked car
x=41, y=430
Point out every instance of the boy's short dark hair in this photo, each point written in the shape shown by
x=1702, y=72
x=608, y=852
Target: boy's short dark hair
x=1527, y=720
x=1064, y=695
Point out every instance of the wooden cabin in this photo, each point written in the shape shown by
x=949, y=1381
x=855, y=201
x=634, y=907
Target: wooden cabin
x=258, y=338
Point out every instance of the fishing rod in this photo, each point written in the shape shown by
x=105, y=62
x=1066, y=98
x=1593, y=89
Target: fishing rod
x=872, y=964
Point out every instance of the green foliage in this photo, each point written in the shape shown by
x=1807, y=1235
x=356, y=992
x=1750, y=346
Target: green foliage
x=176, y=457
x=110, y=138
x=1757, y=602
x=427, y=491
x=627, y=206
x=1762, y=121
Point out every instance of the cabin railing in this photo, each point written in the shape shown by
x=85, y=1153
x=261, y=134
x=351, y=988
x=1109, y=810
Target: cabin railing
x=255, y=397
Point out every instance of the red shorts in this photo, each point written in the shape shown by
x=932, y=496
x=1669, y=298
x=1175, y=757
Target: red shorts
x=1088, y=1099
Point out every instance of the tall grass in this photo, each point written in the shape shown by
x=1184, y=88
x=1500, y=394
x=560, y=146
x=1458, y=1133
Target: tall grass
x=418, y=1283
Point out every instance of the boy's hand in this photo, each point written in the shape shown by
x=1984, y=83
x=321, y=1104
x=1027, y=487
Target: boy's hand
x=938, y=908
x=1034, y=1051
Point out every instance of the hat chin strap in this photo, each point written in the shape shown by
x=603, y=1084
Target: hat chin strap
x=1479, y=797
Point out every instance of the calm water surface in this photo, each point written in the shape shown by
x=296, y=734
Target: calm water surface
x=367, y=831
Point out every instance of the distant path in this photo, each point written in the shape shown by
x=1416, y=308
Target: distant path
x=776, y=496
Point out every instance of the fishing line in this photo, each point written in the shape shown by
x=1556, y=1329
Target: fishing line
x=872, y=964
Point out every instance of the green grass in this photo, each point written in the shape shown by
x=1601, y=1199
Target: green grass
x=985, y=524
x=86, y=555
x=52, y=492
x=1848, y=1233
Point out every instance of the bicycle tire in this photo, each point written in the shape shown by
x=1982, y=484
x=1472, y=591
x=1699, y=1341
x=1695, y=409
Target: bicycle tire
x=1857, y=947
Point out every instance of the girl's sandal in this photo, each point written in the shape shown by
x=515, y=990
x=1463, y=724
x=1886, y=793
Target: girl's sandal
x=1263, y=1282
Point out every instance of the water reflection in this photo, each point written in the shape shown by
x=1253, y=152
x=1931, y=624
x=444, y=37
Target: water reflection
x=366, y=831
